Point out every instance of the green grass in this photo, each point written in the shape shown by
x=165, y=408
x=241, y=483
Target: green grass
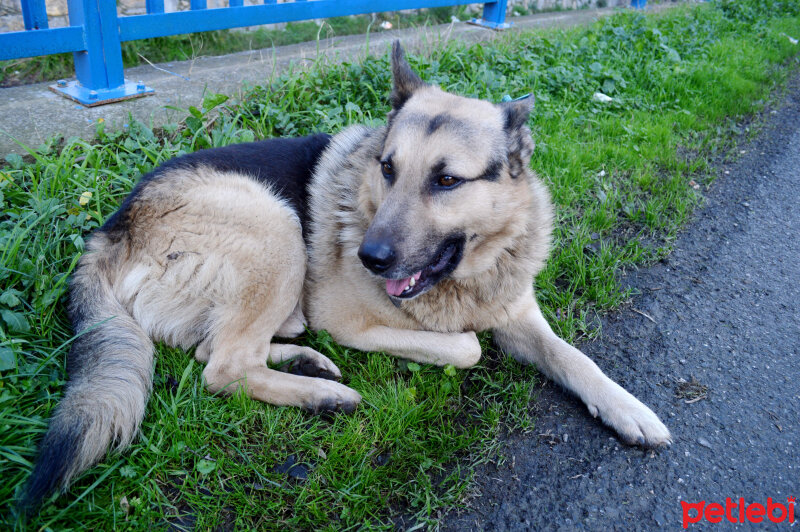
x=620, y=174
x=193, y=45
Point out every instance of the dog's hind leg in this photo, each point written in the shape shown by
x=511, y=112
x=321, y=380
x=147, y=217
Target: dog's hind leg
x=530, y=340
x=301, y=360
x=228, y=274
x=237, y=362
x=240, y=345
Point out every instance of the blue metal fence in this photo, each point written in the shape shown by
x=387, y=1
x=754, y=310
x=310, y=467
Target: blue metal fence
x=96, y=32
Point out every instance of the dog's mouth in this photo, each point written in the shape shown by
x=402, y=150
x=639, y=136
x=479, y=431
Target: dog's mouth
x=445, y=261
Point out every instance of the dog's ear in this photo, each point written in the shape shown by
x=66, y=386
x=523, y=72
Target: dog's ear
x=520, y=143
x=516, y=112
x=406, y=81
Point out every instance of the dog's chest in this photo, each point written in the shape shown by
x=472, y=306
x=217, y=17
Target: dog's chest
x=455, y=306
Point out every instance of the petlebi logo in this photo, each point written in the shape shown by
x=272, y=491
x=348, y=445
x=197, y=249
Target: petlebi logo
x=738, y=511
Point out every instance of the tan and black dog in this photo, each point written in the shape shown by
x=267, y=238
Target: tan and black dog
x=408, y=239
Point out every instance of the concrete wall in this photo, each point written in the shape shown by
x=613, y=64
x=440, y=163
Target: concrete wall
x=11, y=13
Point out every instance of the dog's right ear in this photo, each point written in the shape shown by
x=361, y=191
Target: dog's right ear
x=406, y=81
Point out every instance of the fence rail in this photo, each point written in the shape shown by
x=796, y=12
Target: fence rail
x=96, y=32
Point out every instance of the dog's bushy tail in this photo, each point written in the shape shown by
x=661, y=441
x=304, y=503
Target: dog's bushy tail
x=110, y=368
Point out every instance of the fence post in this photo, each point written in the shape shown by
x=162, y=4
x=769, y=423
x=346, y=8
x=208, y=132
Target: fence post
x=34, y=14
x=98, y=68
x=154, y=6
x=494, y=16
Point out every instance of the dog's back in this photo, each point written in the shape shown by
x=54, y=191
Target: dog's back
x=284, y=164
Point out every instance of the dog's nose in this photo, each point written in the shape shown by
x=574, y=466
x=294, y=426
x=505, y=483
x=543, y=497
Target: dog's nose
x=377, y=255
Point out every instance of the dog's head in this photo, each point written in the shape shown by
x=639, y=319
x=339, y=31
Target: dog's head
x=445, y=192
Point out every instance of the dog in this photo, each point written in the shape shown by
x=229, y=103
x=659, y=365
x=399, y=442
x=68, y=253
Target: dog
x=407, y=238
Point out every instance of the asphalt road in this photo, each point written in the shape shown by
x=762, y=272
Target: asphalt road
x=721, y=314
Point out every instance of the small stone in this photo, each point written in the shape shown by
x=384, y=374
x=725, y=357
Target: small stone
x=659, y=517
x=292, y=468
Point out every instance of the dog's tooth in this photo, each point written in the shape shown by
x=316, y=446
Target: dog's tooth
x=412, y=282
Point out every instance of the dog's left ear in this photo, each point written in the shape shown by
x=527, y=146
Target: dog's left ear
x=520, y=143
x=517, y=111
x=406, y=81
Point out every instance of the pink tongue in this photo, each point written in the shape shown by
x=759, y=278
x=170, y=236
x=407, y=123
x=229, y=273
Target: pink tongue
x=395, y=287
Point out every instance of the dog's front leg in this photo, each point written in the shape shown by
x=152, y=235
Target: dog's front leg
x=462, y=350
x=530, y=340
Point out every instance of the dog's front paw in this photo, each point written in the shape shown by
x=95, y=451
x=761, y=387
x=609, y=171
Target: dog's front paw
x=634, y=422
x=467, y=350
x=329, y=396
x=311, y=363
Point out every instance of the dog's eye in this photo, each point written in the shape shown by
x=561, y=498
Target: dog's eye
x=447, y=181
x=387, y=170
